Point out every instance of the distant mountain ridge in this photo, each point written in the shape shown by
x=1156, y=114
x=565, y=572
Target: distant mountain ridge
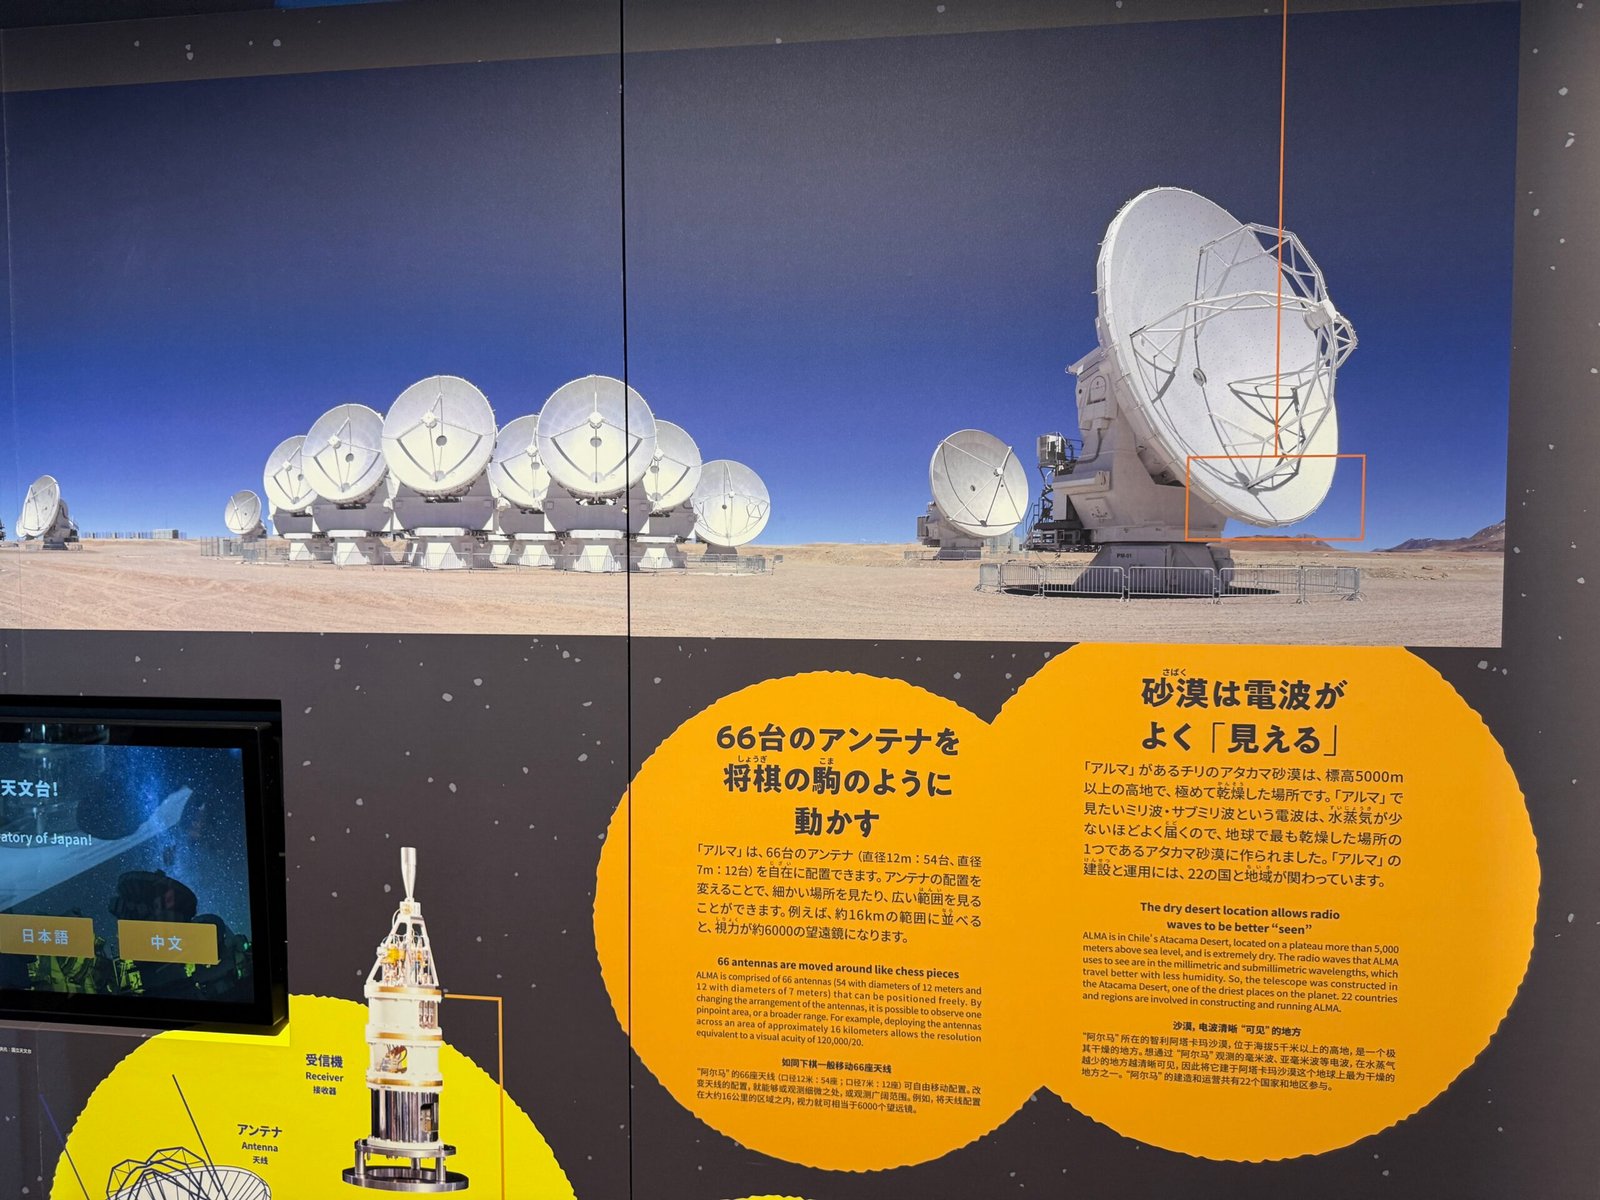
x=1490, y=538
x=1267, y=542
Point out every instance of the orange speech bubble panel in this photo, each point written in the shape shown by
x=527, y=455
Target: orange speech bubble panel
x=829, y=945
x=1298, y=889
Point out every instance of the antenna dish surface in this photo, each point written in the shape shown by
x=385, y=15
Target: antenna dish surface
x=596, y=437
x=41, y=507
x=731, y=504
x=674, y=469
x=516, y=470
x=979, y=483
x=439, y=435
x=284, y=480
x=343, y=454
x=243, y=513
x=1224, y=395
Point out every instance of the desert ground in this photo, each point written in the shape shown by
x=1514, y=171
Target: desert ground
x=1445, y=598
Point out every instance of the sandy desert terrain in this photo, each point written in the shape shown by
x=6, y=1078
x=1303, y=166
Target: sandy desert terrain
x=816, y=591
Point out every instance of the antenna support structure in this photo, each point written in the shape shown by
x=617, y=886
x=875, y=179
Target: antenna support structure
x=1054, y=525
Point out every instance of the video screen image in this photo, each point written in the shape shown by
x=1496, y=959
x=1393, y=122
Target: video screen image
x=123, y=868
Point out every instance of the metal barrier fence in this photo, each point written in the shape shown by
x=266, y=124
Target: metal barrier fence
x=393, y=554
x=1263, y=582
x=1055, y=579
x=142, y=535
x=1082, y=580
x=1330, y=583
x=263, y=553
x=1198, y=583
x=1299, y=584
x=973, y=554
x=732, y=564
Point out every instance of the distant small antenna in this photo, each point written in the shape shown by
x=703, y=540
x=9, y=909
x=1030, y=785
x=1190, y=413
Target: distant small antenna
x=44, y=515
x=243, y=515
x=283, y=480
x=979, y=484
x=731, y=505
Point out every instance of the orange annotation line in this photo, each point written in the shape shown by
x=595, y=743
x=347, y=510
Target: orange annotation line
x=1277, y=349
x=500, y=1041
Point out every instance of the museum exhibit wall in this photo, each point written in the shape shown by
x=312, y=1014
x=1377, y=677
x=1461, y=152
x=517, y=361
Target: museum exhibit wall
x=830, y=870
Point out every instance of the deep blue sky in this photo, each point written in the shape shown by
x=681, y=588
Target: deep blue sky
x=837, y=252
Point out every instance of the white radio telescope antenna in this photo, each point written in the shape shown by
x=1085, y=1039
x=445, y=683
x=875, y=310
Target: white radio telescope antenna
x=1200, y=404
x=342, y=457
x=284, y=481
x=979, y=484
x=731, y=504
x=521, y=489
x=516, y=471
x=44, y=515
x=41, y=508
x=439, y=435
x=674, y=468
x=343, y=461
x=596, y=437
x=243, y=515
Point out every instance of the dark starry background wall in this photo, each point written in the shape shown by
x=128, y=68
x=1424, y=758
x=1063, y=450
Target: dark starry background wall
x=499, y=759
x=507, y=857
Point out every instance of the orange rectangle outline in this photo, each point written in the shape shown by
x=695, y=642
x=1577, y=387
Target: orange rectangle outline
x=500, y=1036
x=1188, y=467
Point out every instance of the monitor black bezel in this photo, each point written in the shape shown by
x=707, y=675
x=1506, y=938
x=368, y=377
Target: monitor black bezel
x=255, y=727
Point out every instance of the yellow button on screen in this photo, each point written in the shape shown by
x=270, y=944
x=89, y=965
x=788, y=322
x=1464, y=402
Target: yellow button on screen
x=63, y=937
x=167, y=941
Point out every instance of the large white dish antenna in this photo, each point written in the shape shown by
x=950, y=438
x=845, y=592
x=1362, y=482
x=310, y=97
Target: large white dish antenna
x=1225, y=396
x=343, y=454
x=244, y=512
x=731, y=505
x=41, y=508
x=979, y=484
x=439, y=435
x=516, y=471
x=674, y=469
x=284, y=480
x=596, y=437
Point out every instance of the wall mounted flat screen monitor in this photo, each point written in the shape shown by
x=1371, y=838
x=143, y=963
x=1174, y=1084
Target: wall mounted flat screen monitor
x=141, y=862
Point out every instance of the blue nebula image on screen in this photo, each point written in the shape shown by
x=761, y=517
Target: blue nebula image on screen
x=105, y=835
